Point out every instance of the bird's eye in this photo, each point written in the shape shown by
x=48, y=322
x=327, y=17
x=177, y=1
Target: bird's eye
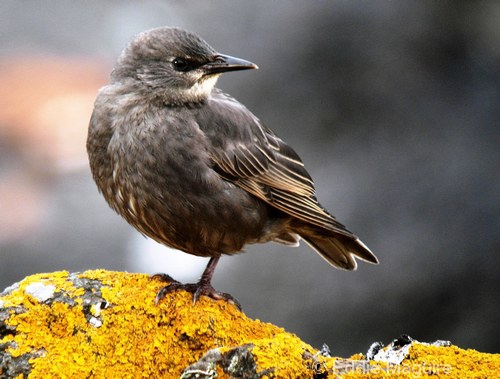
x=180, y=64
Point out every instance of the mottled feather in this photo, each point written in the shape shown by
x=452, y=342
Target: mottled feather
x=255, y=159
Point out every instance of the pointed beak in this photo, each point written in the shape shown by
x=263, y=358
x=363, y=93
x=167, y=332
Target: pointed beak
x=223, y=63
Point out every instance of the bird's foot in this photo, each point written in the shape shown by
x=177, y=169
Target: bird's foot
x=202, y=288
x=163, y=278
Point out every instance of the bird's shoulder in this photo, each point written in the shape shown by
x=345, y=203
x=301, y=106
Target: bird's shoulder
x=244, y=146
x=222, y=115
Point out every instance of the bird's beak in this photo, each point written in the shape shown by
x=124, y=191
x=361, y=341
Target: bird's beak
x=223, y=63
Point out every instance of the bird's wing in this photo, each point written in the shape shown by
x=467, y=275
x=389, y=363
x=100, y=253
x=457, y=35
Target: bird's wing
x=251, y=156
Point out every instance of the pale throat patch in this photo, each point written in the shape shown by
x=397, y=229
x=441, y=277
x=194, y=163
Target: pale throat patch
x=204, y=87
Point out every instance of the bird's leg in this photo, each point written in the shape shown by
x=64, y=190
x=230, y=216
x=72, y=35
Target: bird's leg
x=202, y=288
x=206, y=278
x=204, y=285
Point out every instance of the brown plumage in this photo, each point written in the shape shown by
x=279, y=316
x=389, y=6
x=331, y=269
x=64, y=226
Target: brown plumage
x=192, y=168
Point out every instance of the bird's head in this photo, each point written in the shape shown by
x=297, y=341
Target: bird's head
x=174, y=64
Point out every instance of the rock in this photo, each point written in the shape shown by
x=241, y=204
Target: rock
x=106, y=324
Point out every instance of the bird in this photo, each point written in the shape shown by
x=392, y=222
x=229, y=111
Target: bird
x=192, y=168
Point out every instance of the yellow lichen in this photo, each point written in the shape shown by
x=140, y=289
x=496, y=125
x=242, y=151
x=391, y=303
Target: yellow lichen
x=135, y=337
x=103, y=324
x=429, y=361
x=283, y=355
x=454, y=362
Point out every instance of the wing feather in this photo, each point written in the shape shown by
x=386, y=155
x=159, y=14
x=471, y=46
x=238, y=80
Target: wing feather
x=255, y=159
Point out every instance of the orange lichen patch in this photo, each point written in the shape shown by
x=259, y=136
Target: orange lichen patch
x=282, y=356
x=455, y=362
x=428, y=361
x=105, y=324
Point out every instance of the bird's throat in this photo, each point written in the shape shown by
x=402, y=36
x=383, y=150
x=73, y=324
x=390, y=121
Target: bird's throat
x=203, y=87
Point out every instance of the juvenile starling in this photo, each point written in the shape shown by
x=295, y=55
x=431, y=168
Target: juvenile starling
x=190, y=167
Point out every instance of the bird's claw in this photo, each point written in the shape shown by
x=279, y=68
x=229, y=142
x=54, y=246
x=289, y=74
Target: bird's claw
x=163, y=278
x=197, y=289
x=172, y=287
x=206, y=289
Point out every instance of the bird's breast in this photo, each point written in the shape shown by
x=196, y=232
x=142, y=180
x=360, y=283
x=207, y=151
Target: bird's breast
x=159, y=177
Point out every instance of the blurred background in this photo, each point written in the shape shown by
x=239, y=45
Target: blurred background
x=393, y=106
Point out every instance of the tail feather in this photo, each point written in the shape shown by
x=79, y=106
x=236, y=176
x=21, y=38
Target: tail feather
x=337, y=249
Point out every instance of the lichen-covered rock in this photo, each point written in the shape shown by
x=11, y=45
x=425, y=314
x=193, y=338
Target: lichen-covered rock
x=101, y=324
x=106, y=324
x=406, y=357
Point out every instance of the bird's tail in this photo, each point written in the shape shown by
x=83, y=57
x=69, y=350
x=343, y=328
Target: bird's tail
x=338, y=249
